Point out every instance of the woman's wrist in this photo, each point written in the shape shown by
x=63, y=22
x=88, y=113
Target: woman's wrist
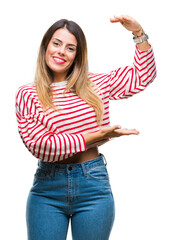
x=140, y=38
x=138, y=33
x=92, y=137
x=144, y=46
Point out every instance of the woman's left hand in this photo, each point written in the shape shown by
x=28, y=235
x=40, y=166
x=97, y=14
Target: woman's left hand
x=128, y=22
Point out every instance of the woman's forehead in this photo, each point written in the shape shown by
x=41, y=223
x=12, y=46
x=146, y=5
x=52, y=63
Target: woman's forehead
x=64, y=36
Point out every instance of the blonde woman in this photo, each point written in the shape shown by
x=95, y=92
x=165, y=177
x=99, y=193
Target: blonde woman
x=62, y=119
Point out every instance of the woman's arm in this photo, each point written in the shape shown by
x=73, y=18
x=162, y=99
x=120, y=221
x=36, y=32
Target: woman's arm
x=127, y=81
x=124, y=82
x=48, y=145
x=37, y=131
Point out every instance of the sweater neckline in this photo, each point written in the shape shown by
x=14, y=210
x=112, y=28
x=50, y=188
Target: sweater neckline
x=59, y=84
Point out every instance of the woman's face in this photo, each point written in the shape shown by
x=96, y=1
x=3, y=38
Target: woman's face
x=61, y=52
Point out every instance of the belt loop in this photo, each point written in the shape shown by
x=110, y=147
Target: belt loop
x=105, y=162
x=84, y=170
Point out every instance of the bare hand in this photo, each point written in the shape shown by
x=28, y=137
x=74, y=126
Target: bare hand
x=128, y=22
x=117, y=131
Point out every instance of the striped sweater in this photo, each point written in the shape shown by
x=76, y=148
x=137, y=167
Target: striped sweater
x=54, y=135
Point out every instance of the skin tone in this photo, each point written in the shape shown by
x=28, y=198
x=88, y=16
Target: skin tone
x=131, y=25
x=60, y=55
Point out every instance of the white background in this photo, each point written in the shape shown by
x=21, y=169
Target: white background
x=139, y=166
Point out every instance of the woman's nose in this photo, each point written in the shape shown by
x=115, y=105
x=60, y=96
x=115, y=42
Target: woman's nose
x=61, y=50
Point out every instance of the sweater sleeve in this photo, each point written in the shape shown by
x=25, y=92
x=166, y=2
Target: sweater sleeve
x=38, y=135
x=127, y=81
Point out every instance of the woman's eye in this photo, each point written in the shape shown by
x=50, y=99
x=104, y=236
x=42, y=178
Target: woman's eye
x=56, y=44
x=71, y=49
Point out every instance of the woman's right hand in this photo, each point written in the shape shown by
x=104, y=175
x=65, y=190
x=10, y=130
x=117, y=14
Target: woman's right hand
x=117, y=131
x=108, y=132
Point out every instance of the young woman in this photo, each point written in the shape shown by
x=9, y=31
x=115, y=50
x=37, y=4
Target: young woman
x=62, y=119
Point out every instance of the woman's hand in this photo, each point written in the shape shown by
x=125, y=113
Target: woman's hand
x=132, y=25
x=108, y=132
x=117, y=131
x=128, y=22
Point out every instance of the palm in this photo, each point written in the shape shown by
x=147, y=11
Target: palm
x=117, y=131
x=128, y=22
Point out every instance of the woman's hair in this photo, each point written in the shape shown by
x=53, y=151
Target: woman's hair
x=77, y=74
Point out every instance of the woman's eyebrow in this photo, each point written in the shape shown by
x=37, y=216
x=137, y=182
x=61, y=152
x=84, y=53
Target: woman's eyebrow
x=70, y=44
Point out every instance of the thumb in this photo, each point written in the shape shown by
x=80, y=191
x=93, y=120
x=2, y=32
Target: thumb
x=115, y=127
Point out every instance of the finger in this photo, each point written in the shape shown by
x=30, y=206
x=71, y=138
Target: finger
x=127, y=18
x=136, y=132
x=121, y=18
x=132, y=132
x=112, y=20
x=115, y=19
x=115, y=127
x=127, y=131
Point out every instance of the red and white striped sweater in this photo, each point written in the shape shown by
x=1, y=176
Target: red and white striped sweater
x=58, y=135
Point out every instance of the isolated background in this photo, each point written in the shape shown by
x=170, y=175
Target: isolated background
x=139, y=166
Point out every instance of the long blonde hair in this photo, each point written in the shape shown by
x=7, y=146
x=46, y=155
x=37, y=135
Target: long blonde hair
x=77, y=74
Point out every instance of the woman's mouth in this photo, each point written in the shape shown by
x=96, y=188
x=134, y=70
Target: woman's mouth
x=59, y=60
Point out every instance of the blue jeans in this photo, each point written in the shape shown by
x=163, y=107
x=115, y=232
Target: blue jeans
x=78, y=192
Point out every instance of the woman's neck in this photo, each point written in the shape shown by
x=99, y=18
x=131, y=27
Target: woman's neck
x=60, y=77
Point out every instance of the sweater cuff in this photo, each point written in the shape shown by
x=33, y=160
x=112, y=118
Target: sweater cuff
x=84, y=147
x=147, y=51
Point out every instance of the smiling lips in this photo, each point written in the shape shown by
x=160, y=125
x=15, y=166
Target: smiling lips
x=59, y=60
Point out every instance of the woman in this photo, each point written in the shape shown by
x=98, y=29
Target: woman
x=62, y=119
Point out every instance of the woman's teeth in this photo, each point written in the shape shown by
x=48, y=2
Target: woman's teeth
x=59, y=60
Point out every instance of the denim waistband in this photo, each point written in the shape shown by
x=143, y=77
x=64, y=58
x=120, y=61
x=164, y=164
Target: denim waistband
x=101, y=160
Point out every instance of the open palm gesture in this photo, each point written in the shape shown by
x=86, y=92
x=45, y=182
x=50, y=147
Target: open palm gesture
x=128, y=22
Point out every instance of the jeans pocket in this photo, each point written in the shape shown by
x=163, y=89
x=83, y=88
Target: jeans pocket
x=42, y=174
x=98, y=173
